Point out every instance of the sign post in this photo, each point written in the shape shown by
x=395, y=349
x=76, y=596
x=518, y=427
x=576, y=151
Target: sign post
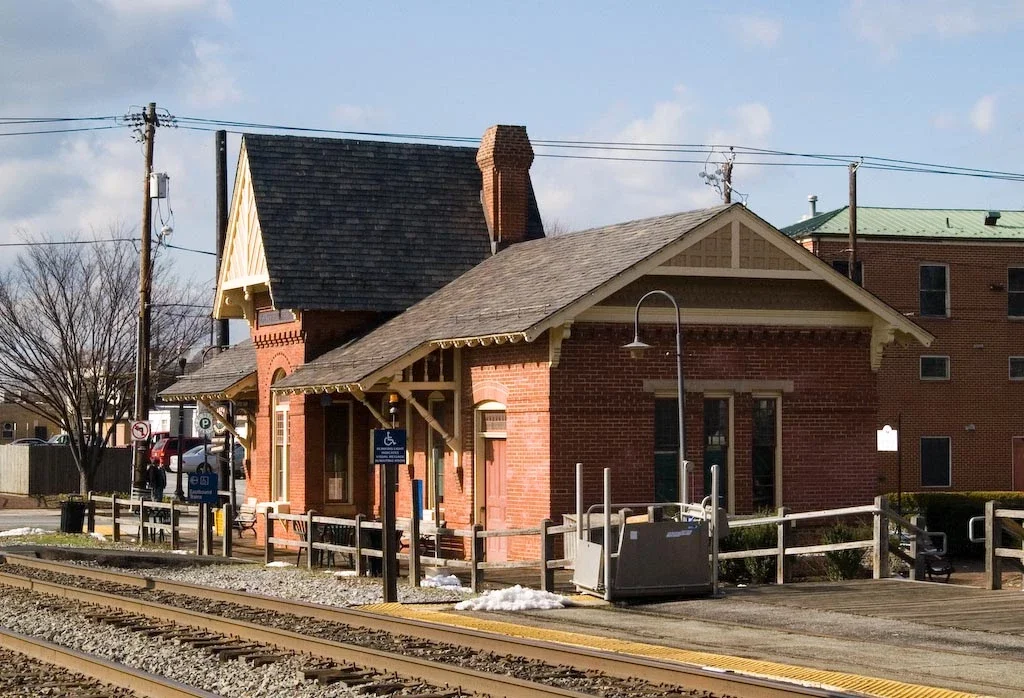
x=389, y=453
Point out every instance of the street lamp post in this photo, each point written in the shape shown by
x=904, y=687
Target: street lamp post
x=636, y=347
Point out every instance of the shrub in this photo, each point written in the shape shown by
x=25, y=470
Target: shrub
x=843, y=564
x=753, y=570
x=949, y=512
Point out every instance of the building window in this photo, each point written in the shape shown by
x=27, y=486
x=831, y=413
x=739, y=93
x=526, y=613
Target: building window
x=935, y=461
x=764, y=455
x=280, y=448
x=435, y=455
x=1015, y=291
x=272, y=316
x=666, y=450
x=843, y=267
x=1017, y=368
x=934, y=368
x=7, y=431
x=934, y=290
x=338, y=452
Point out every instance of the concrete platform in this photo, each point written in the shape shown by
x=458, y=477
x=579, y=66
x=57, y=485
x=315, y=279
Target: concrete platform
x=890, y=638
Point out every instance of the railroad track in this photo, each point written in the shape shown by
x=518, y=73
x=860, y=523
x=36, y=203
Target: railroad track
x=33, y=667
x=547, y=669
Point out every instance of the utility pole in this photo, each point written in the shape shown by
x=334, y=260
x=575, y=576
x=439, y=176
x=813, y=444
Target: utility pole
x=145, y=284
x=727, y=181
x=221, y=152
x=853, y=221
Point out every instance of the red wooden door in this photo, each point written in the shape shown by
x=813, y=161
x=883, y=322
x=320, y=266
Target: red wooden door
x=1018, y=463
x=496, y=497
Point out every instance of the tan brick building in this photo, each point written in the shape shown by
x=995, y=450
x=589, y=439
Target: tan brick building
x=385, y=275
x=960, y=275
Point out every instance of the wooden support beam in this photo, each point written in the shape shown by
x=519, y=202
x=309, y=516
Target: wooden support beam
x=361, y=397
x=451, y=441
x=230, y=428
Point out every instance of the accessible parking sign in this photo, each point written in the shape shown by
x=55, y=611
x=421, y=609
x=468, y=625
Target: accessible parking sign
x=389, y=446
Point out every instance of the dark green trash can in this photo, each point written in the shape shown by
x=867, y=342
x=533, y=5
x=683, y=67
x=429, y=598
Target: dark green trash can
x=72, y=516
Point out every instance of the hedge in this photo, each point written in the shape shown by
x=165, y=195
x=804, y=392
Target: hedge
x=949, y=512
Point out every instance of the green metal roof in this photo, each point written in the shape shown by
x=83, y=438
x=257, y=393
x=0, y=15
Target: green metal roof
x=963, y=224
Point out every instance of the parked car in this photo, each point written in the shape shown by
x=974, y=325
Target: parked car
x=27, y=441
x=195, y=456
x=167, y=447
x=59, y=440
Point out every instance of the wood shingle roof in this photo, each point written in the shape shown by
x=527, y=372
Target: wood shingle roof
x=513, y=292
x=366, y=225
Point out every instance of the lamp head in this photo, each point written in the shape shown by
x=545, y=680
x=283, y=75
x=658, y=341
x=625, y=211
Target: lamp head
x=636, y=347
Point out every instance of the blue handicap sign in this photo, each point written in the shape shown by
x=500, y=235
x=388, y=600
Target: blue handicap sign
x=202, y=488
x=389, y=446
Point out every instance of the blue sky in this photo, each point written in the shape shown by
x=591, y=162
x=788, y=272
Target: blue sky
x=937, y=81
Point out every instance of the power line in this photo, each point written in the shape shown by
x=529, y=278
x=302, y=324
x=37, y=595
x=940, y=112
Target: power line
x=61, y=130
x=5, y=120
x=48, y=243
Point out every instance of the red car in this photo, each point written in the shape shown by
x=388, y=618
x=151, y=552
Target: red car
x=168, y=446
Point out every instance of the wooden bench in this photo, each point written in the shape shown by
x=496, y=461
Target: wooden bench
x=245, y=518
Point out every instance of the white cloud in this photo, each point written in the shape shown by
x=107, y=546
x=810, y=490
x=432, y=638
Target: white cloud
x=355, y=116
x=983, y=113
x=612, y=191
x=758, y=31
x=945, y=120
x=889, y=24
x=211, y=83
x=88, y=57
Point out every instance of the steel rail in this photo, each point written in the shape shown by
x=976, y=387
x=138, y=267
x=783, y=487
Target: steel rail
x=98, y=668
x=468, y=680
x=611, y=663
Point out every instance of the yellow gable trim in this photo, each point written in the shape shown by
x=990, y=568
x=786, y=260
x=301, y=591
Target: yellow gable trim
x=245, y=263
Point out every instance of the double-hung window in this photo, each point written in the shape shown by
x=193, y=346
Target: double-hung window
x=843, y=267
x=935, y=461
x=1015, y=292
x=934, y=288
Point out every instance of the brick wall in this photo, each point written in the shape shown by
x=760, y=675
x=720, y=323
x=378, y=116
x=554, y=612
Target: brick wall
x=601, y=415
x=978, y=338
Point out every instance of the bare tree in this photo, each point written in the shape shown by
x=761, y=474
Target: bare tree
x=68, y=336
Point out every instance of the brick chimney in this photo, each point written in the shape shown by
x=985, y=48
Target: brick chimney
x=504, y=159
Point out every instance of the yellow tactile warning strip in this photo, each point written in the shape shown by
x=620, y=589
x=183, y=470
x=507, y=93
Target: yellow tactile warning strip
x=884, y=688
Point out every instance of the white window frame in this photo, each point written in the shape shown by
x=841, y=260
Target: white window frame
x=1009, y=368
x=1008, y=292
x=920, y=290
x=347, y=499
x=949, y=462
x=433, y=441
x=279, y=463
x=777, y=397
x=920, y=367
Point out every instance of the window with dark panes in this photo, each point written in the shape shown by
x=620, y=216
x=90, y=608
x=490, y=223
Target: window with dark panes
x=7, y=432
x=1015, y=291
x=934, y=290
x=935, y=461
x=1017, y=368
x=763, y=452
x=843, y=267
x=934, y=368
x=666, y=450
x=337, y=465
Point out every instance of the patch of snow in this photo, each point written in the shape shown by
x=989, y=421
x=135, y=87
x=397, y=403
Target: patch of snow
x=98, y=536
x=343, y=573
x=279, y=563
x=24, y=532
x=514, y=599
x=444, y=581
x=180, y=552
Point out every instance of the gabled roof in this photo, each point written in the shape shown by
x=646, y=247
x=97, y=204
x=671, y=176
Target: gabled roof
x=366, y=225
x=530, y=287
x=963, y=224
x=511, y=293
x=222, y=376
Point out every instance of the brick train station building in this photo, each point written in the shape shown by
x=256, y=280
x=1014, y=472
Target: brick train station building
x=380, y=275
